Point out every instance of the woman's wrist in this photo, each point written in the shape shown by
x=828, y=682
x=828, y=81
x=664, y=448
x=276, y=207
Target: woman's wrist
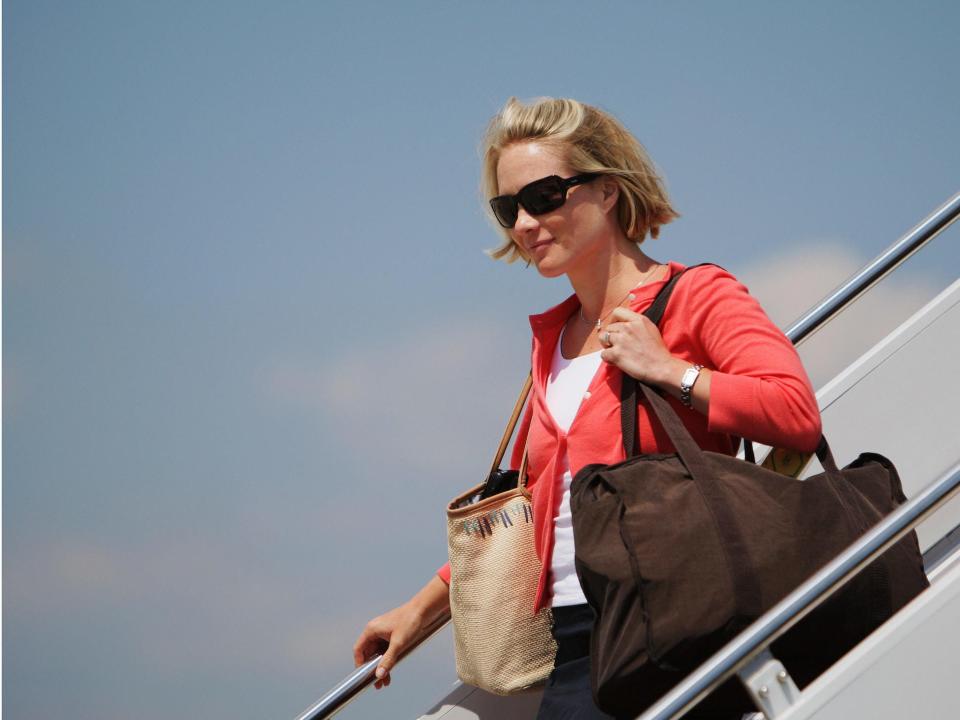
x=670, y=374
x=670, y=377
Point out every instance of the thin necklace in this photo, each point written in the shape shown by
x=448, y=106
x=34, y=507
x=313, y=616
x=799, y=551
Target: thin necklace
x=599, y=322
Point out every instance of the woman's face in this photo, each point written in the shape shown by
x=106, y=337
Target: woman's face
x=559, y=241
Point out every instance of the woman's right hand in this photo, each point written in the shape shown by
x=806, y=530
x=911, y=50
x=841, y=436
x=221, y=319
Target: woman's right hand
x=389, y=634
x=393, y=632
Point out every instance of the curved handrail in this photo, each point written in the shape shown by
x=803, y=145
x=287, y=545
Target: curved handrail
x=357, y=681
x=941, y=218
x=795, y=606
x=872, y=273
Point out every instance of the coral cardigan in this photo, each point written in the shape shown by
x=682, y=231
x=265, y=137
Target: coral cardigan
x=758, y=390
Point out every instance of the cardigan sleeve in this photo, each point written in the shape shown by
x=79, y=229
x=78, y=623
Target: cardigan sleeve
x=759, y=388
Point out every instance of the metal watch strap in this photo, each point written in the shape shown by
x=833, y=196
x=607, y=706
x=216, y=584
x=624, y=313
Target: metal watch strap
x=690, y=376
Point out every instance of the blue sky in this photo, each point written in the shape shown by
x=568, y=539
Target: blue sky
x=252, y=344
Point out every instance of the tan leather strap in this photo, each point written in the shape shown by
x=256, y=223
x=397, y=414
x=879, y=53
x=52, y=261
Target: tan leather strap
x=511, y=425
x=522, y=475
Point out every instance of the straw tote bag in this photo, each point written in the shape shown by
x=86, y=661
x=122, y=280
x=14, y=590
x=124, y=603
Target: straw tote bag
x=678, y=552
x=501, y=646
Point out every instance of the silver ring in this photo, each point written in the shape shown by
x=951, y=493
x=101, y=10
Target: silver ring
x=606, y=338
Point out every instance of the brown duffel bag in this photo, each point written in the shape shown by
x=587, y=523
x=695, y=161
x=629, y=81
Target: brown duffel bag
x=677, y=553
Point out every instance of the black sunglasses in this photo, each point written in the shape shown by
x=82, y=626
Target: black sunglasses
x=538, y=197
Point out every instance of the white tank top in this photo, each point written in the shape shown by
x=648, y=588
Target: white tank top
x=566, y=388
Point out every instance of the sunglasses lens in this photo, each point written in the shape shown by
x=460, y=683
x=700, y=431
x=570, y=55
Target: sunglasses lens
x=537, y=198
x=505, y=208
x=543, y=196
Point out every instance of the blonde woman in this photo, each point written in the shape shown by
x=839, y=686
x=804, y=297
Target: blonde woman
x=576, y=195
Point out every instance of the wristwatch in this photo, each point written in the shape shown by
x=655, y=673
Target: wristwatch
x=690, y=376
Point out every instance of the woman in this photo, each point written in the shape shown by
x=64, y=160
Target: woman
x=576, y=195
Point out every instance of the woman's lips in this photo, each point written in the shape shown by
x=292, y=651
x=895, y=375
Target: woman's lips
x=538, y=245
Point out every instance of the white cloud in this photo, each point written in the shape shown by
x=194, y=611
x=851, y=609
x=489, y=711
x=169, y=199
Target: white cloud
x=787, y=285
x=434, y=404
x=186, y=603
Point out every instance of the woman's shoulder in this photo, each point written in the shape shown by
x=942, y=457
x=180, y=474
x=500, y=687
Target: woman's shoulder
x=704, y=272
x=710, y=291
x=704, y=277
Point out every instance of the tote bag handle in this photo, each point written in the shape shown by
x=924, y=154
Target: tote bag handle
x=508, y=432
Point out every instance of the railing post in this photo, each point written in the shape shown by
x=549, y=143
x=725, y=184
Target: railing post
x=769, y=684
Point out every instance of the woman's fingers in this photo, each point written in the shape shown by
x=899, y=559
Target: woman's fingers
x=633, y=343
x=387, y=635
x=390, y=657
x=622, y=314
x=608, y=333
x=372, y=640
x=627, y=325
x=640, y=329
x=360, y=649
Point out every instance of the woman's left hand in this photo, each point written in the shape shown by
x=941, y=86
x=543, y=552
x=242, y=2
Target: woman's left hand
x=634, y=345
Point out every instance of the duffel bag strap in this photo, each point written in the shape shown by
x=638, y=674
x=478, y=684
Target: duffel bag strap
x=628, y=388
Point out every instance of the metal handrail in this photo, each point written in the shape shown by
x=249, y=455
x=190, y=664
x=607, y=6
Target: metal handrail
x=357, y=681
x=821, y=586
x=872, y=273
x=795, y=606
x=801, y=329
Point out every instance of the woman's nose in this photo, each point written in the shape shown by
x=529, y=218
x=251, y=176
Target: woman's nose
x=525, y=221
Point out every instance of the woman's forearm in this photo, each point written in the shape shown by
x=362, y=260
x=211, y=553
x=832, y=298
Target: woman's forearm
x=432, y=600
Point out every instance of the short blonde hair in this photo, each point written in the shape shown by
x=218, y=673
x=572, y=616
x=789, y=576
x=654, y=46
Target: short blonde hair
x=592, y=141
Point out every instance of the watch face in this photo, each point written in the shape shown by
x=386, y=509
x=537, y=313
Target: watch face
x=689, y=377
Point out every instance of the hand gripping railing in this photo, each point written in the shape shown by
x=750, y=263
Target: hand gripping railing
x=785, y=614
x=813, y=320
x=355, y=683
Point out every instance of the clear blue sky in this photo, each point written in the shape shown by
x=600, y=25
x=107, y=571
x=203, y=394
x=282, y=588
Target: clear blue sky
x=252, y=344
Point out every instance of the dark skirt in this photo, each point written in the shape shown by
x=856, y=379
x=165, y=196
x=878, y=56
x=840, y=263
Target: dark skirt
x=567, y=695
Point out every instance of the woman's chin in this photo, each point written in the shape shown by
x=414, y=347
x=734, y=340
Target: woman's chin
x=548, y=271
x=548, y=268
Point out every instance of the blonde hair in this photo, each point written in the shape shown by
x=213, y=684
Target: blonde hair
x=592, y=141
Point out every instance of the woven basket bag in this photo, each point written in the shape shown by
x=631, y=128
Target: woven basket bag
x=501, y=645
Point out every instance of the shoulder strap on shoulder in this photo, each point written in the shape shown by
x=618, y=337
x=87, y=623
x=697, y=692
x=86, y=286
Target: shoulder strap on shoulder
x=628, y=386
x=659, y=304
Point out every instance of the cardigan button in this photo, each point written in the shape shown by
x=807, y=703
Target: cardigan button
x=586, y=395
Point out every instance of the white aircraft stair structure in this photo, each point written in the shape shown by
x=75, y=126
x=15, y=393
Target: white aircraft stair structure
x=884, y=401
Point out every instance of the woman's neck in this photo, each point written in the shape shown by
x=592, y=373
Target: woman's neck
x=603, y=282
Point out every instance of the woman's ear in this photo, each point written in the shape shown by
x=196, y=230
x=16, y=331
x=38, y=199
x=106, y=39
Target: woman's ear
x=611, y=192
